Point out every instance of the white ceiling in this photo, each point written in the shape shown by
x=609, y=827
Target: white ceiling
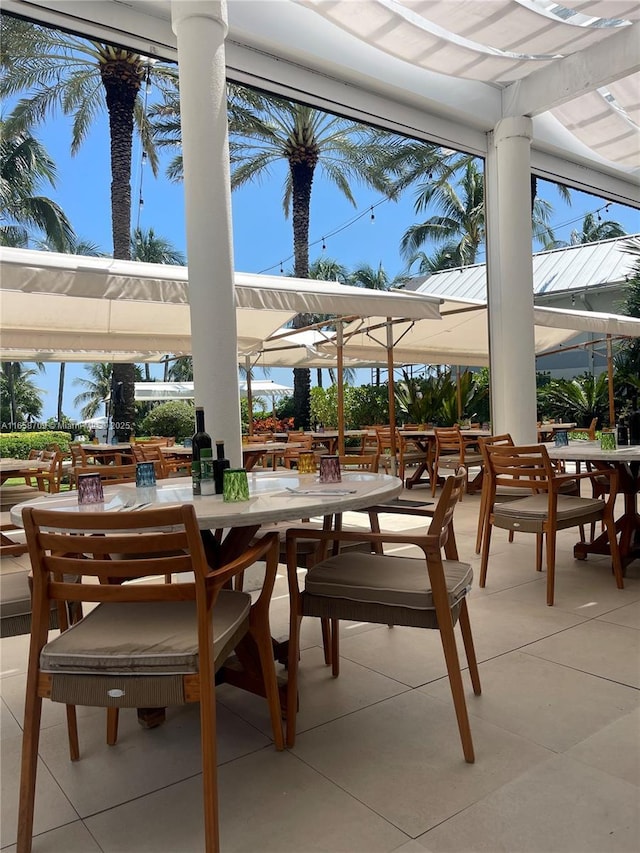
x=445, y=70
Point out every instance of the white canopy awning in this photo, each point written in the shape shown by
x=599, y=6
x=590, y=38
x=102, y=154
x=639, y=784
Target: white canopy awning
x=461, y=336
x=57, y=307
x=154, y=391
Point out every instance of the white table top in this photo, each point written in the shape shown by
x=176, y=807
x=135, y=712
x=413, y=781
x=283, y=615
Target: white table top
x=584, y=451
x=269, y=501
x=105, y=448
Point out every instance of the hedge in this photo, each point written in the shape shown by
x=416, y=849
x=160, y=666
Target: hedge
x=18, y=444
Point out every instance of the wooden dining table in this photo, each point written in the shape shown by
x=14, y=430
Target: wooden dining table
x=12, y=467
x=425, y=440
x=626, y=461
x=120, y=453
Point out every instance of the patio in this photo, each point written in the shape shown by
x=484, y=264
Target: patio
x=377, y=764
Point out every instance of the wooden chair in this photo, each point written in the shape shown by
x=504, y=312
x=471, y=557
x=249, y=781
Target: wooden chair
x=360, y=462
x=410, y=454
x=383, y=439
x=291, y=454
x=145, y=644
x=452, y=453
x=425, y=592
x=111, y=475
x=152, y=453
x=543, y=509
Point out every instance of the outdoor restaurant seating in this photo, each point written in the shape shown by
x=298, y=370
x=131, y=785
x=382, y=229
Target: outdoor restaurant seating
x=544, y=508
x=453, y=451
x=111, y=657
x=111, y=475
x=426, y=592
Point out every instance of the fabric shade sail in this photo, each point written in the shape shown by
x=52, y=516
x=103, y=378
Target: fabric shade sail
x=461, y=336
x=154, y=391
x=59, y=307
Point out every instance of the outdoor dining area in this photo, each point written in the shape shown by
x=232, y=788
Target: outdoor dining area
x=395, y=637
x=324, y=683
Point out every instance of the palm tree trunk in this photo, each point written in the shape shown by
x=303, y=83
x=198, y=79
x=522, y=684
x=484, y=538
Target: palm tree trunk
x=121, y=87
x=60, y=393
x=302, y=180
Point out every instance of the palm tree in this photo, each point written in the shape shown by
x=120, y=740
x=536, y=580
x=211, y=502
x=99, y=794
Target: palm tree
x=594, y=228
x=372, y=279
x=459, y=229
x=81, y=77
x=97, y=388
x=24, y=167
x=148, y=247
x=19, y=397
x=264, y=131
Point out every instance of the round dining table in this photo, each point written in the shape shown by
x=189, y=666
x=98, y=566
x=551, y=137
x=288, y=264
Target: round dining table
x=626, y=461
x=228, y=528
x=273, y=496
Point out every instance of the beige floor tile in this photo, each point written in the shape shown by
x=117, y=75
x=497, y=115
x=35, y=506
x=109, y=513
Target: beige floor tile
x=269, y=802
x=412, y=846
x=322, y=697
x=53, y=713
x=559, y=806
x=14, y=653
x=72, y=838
x=614, y=748
x=403, y=759
x=610, y=651
x=9, y=726
x=629, y=615
x=52, y=807
x=143, y=760
x=552, y=705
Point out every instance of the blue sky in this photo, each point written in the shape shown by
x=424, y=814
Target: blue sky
x=262, y=237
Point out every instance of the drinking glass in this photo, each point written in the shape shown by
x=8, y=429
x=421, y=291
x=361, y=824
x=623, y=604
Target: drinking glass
x=90, y=489
x=608, y=441
x=235, y=485
x=561, y=438
x=307, y=463
x=145, y=474
x=330, y=469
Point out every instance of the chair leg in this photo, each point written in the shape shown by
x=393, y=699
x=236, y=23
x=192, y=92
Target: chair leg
x=469, y=648
x=616, y=562
x=292, y=673
x=455, y=682
x=113, y=715
x=481, y=519
x=539, y=552
x=72, y=733
x=486, y=542
x=434, y=480
x=30, y=743
x=262, y=635
x=326, y=639
x=551, y=566
x=335, y=648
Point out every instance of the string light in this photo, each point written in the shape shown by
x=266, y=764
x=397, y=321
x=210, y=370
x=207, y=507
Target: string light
x=324, y=245
x=281, y=268
x=373, y=216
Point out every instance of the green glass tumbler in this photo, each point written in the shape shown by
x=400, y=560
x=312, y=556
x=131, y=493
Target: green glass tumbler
x=608, y=441
x=235, y=486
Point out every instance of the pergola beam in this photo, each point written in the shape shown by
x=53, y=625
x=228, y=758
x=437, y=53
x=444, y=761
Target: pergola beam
x=568, y=78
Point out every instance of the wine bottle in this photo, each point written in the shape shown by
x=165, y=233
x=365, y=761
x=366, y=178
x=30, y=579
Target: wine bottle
x=201, y=440
x=219, y=464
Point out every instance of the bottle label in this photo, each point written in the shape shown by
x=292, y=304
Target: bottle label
x=195, y=477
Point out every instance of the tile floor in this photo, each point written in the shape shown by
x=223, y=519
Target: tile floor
x=377, y=764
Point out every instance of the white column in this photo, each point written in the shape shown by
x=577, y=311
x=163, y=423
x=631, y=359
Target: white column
x=510, y=280
x=200, y=27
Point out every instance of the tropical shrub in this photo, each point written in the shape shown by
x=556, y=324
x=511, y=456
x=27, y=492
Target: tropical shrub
x=434, y=399
x=579, y=399
x=173, y=418
x=367, y=405
x=18, y=444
